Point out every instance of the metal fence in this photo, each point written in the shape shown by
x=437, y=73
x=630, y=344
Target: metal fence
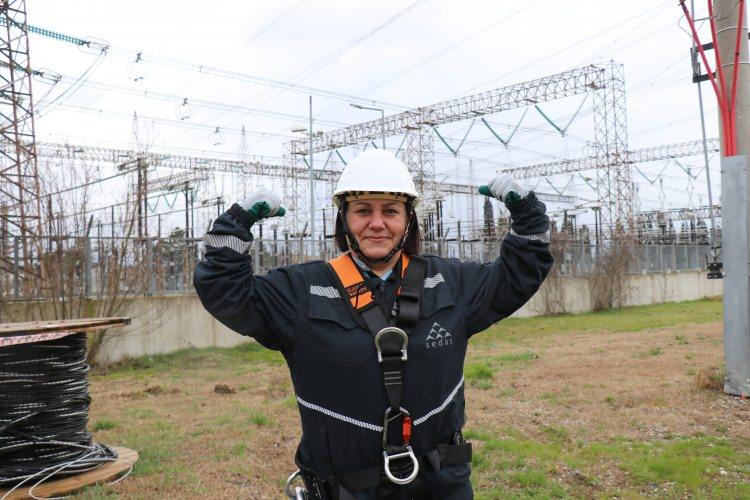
x=579, y=260
x=93, y=267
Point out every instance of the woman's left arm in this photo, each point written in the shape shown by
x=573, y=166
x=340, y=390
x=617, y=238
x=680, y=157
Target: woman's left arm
x=493, y=291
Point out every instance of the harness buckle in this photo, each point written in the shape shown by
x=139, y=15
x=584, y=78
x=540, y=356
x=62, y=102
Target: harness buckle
x=299, y=493
x=396, y=453
x=388, y=330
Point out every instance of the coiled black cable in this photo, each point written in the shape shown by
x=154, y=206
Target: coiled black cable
x=44, y=405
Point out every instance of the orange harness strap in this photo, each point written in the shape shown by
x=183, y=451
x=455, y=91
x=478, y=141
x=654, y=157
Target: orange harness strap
x=350, y=276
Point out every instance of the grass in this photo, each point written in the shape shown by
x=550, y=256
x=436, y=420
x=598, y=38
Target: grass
x=542, y=426
x=103, y=424
x=478, y=371
x=259, y=419
x=196, y=359
x=627, y=319
x=685, y=465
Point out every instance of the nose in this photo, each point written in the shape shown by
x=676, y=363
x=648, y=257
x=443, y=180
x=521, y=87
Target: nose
x=376, y=222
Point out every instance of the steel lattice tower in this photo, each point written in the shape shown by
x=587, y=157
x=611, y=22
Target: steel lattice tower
x=294, y=156
x=419, y=156
x=614, y=186
x=19, y=178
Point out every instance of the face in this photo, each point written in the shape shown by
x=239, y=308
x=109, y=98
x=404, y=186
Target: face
x=378, y=225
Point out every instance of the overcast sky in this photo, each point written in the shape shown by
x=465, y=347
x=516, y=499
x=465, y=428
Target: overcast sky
x=395, y=54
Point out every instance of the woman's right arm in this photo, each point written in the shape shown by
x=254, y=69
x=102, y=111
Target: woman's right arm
x=257, y=306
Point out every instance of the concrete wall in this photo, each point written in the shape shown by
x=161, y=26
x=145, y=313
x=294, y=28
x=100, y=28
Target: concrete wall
x=166, y=323
x=573, y=295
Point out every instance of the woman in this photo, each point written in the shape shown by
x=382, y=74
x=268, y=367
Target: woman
x=375, y=339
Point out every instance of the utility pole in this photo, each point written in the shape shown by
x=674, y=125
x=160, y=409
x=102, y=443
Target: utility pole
x=696, y=72
x=144, y=166
x=139, y=199
x=187, y=211
x=735, y=181
x=727, y=16
x=312, y=186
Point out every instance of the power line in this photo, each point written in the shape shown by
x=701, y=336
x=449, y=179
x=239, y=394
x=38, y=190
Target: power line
x=328, y=58
x=165, y=97
x=567, y=48
x=249, y=42
x=232, y=75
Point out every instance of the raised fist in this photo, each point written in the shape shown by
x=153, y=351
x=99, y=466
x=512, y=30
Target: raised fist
x=505, y=188
x=262, y=204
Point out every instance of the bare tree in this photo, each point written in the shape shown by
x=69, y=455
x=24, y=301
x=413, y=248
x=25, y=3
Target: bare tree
x=76, y=274
x=607, y=281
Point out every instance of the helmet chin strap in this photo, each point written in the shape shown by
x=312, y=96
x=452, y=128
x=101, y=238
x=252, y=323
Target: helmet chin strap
x=353, y=244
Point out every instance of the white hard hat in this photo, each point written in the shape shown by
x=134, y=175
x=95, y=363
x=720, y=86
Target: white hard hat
x=375, y=171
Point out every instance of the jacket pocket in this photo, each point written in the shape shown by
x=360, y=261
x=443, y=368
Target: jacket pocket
x=435, y=334
x=335, y=336
x=434, y=302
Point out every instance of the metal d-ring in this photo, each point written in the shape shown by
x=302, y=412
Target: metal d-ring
x=386, y=465
x=299, y=493
x=407, y=453
x=396, y=330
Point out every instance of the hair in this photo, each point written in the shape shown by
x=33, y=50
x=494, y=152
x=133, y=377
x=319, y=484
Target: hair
x=412, y=245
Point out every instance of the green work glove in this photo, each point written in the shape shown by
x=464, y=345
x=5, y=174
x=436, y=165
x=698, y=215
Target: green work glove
x=263, y=204
x=505, y=188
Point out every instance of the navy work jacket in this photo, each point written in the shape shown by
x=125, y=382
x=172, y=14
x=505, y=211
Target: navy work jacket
x=341, y=398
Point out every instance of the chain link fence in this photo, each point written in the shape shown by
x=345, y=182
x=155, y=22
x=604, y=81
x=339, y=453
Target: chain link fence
x=92, y=267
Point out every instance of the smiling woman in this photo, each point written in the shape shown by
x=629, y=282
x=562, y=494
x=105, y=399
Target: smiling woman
x=375, y=339
x=377, y=225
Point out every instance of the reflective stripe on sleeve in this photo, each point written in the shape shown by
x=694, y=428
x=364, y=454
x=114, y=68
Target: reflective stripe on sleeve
x=543, y=237
x=223, y=240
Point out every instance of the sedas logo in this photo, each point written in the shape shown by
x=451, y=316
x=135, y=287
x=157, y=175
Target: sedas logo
x=438, y=337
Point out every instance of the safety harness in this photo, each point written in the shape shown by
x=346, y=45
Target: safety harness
x=400, y=465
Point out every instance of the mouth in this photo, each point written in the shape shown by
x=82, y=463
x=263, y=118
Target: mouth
x=377, y=239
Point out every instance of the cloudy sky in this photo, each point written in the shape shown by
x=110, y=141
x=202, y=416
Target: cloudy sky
x=254, y=64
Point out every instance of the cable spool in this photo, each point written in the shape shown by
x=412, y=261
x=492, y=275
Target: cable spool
x=44, y=403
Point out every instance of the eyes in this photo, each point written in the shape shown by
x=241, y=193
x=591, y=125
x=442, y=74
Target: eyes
x=389, y=212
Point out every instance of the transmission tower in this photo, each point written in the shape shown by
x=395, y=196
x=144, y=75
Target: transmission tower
x=657, y=153
x=419, y=157
x=614, y=185
x=19, y=178
x=294, y=156
x=606, y=81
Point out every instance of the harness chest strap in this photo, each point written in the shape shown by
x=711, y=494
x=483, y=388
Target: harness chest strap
x=353, y=282
x=360, y=298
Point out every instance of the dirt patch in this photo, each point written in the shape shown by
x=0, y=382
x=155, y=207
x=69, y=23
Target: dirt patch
x=157, y=390
x=223, y=389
